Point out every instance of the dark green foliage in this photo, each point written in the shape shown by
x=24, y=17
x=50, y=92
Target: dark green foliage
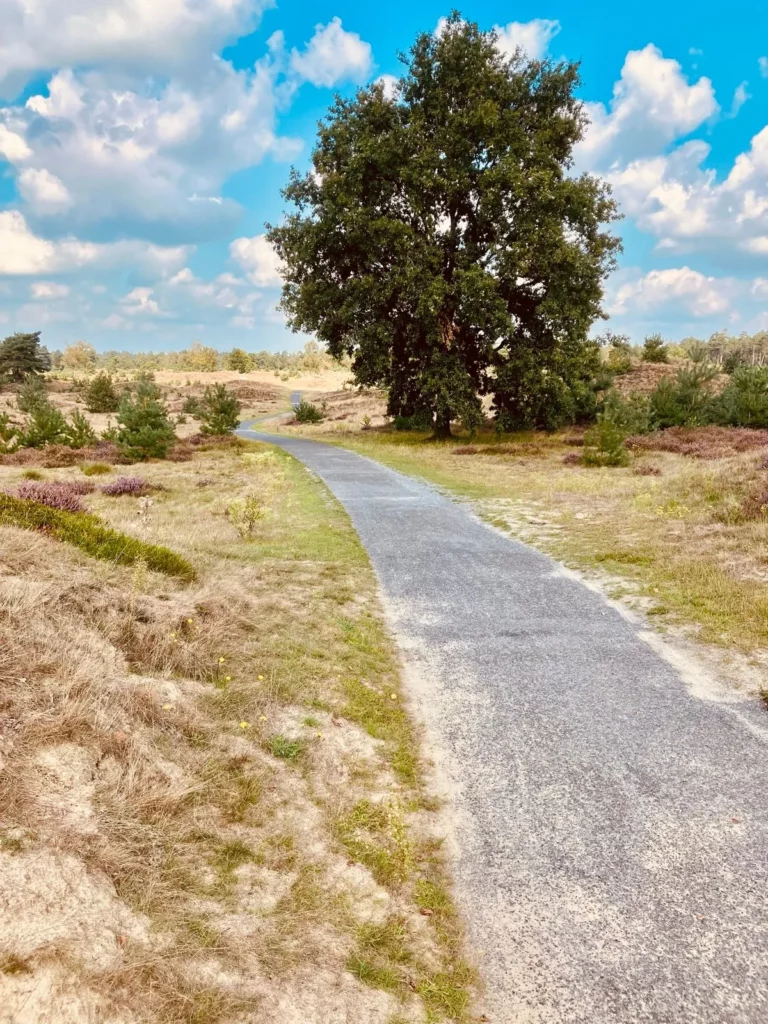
x=421, y=420
x=192, y=406
x=546, y=393
x=86, y=532
x=9, y=434
x=441, y=242
x=21, y=355
x=45, y=425
x=306, y=412
x=239, y=360
x=604, y=445
x=744, y=400
x=687, y=400
x=31, y=393
x=219, y=411
x=655, y=349
x=631, y=414
x=80, y=433
x=144, y=430
x=100, y=395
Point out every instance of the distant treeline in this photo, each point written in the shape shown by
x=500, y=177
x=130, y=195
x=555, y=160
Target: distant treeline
x=196, y=358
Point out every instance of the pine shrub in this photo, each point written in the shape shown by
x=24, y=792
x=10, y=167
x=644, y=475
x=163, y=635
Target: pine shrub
x=219, y=411
x=307, y=412
x=100, y=395
x=144, y=429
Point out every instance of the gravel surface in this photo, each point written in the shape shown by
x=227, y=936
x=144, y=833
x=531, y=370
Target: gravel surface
x=610, y=810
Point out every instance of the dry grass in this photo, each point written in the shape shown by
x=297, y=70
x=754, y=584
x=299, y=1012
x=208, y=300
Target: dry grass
x=208, y=792
x=683, y=538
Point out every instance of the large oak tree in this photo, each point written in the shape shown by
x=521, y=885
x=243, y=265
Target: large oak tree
x=443, y=242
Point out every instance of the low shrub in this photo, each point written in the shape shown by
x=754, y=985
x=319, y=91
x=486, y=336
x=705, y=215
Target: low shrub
x=573, y=459
x=604, y=445
x=307, y=412
x=54, y=493
x=245, y=514
x=755, y=503
x=630, y=413
x=701, y=442
x=644, y=469
x=100, y=395
x=655, y=350
x=687, y=400
x=80, y=433
x=192, y=407
x=144, y=428
x=45, y=425
x=132, y=485
x=89, y=534
x=95, y=469
x=32, y=393
x=9, y=434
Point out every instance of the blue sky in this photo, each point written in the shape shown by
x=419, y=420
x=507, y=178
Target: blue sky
x=143, y=145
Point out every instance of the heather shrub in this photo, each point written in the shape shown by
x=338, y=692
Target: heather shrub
x=53, y=494
x=219, y=411
x=132, y=485
x=100, y=395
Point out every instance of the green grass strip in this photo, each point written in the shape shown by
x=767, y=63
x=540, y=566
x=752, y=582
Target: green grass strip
x=86, y=532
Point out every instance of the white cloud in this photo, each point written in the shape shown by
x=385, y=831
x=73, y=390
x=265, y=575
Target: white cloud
x=22, y=252
x=145, y=161
x=740, y=97
x=258, y=259
x=44, y=192
x=763, y=65
x=139, y=302
x=139, y=36
x=41, y=290
x=683, y=289
x=390, y=84
x=333, y=55
x=532, y=37
x=12, y=146
x=652, y=105
x=760, y=287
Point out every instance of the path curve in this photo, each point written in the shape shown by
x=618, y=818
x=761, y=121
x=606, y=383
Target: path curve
x=611, y=825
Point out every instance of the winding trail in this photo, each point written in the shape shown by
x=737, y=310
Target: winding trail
x=610, y=811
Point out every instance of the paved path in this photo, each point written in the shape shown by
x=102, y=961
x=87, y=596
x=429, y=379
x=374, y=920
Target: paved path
x=612, y=827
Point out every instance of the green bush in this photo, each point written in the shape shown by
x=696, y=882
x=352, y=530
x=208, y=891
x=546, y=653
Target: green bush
x=45, y=425
x=9, y=434
x=655, y=350
x=306, y=412
x=744, y=400
x=192, y=407
x=686, y=401
x=219, y=411
x=86, y=532
x=32, y=393
x=80, y=433
x=144, y=430
x=632, y=413
x=604, y=445
x=100, y=395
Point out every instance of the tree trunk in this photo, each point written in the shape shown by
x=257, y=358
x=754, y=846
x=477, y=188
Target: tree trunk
x=442, y=426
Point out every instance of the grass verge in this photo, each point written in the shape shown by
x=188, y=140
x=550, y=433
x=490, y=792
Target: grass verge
x=213, y=781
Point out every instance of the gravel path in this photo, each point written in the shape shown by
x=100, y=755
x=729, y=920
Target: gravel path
x=610, y=810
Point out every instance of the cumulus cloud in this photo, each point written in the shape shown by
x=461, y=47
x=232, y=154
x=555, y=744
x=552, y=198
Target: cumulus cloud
x=258, y=259
x=44, y=290
x=333, y=55
x=140, y=302
x=147, y=160
x=22, y=252
x=681, y=288
x=762, y=63
x=653, y=105
x=532, y=37
x=162, y=37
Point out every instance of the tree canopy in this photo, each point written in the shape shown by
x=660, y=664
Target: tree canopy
x=22, y=355
x=441, y=240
